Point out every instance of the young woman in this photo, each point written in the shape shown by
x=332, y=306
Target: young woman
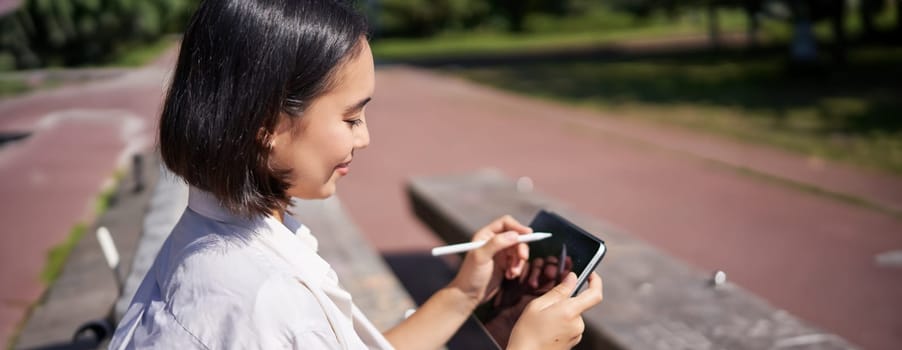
x=268, y=102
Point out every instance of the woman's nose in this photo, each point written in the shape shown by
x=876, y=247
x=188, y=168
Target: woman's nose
x=362, y=139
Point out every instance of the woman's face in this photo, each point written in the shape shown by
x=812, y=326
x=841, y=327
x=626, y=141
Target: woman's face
x=319, y=146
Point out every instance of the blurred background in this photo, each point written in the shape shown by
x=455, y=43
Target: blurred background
x=815, y=77
x=701, y=127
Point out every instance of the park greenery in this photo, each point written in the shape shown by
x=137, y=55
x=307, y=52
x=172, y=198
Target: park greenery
x=43, y=33
x=840, y=105
x=849, y=114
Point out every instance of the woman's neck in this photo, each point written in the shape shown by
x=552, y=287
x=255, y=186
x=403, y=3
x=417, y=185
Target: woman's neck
x=279, y=215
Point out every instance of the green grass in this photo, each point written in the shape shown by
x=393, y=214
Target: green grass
x=850, y=115
x=14, y=86
x=597, y=27
x=127, y=57
x=57, y=256
x=11, y=87
x=141, y=54
x=456, y=45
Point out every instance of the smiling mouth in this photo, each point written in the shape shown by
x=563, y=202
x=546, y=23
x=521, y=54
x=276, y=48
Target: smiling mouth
x=343, y=168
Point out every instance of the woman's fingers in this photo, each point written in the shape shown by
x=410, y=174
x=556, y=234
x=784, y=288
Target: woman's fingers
x=535, y=271
x=558, y=293
x=508, y=223
x=591, y=296
x=500, y=225
x=523, y=251
x=515, y=260
x=513, y=256
x=484, y=234
x=494, y=245
x=575, y=340
x=554, y=320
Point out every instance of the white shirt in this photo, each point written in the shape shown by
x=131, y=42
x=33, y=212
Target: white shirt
x=226, y=282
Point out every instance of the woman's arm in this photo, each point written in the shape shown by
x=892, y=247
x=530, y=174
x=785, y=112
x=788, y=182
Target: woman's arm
x=433, y=324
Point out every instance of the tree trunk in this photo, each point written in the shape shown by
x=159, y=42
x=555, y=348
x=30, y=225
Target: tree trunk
x=713, y=25
x=804, y=47
x=898, y=19
x=752, y=11
x=866, y=12
x=670, y=7
x=837, y=22
x=516, y=10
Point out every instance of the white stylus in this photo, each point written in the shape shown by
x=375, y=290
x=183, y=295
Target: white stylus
x=465, y=247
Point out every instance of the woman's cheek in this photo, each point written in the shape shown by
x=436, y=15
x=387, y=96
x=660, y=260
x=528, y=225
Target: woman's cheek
x=341, y=142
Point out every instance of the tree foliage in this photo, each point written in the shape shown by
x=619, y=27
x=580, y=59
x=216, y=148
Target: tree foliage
x=75, y=32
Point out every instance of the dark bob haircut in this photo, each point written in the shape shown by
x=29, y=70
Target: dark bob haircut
x=242, y=63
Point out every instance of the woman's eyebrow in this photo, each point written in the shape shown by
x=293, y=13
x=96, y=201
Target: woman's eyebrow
x=353, y=109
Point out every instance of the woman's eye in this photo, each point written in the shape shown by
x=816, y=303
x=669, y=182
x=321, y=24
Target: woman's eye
x=354, y=122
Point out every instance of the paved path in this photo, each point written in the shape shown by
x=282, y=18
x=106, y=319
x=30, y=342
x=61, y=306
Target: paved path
x=811, y=254
x=80, y=135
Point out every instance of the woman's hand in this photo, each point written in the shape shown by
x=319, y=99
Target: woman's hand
x=478, y=279
x=554, y=320
x=482, y=269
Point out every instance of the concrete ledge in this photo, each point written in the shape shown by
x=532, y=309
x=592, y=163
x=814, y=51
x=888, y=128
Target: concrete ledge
x=652, y=300
x=165, y=205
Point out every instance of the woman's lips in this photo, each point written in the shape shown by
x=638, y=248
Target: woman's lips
x=343, y=168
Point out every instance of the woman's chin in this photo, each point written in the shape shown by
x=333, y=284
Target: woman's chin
x=322, y=192
x=326, y=194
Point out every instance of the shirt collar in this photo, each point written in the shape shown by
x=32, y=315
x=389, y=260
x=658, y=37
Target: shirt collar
x=290, y=240
x=206, y=204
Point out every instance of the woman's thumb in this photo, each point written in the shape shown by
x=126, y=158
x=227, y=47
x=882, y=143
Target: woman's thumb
x=560, y=292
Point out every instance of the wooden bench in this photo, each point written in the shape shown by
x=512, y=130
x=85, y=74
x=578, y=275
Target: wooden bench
x=652, y=300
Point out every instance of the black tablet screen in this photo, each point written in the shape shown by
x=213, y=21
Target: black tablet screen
x=570, y=248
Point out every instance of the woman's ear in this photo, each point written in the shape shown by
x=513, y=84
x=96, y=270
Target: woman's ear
x=261, y=134
x=281, y=129
x=265, y=138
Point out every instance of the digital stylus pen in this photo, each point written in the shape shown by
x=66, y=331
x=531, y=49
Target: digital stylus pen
x=465, y=247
